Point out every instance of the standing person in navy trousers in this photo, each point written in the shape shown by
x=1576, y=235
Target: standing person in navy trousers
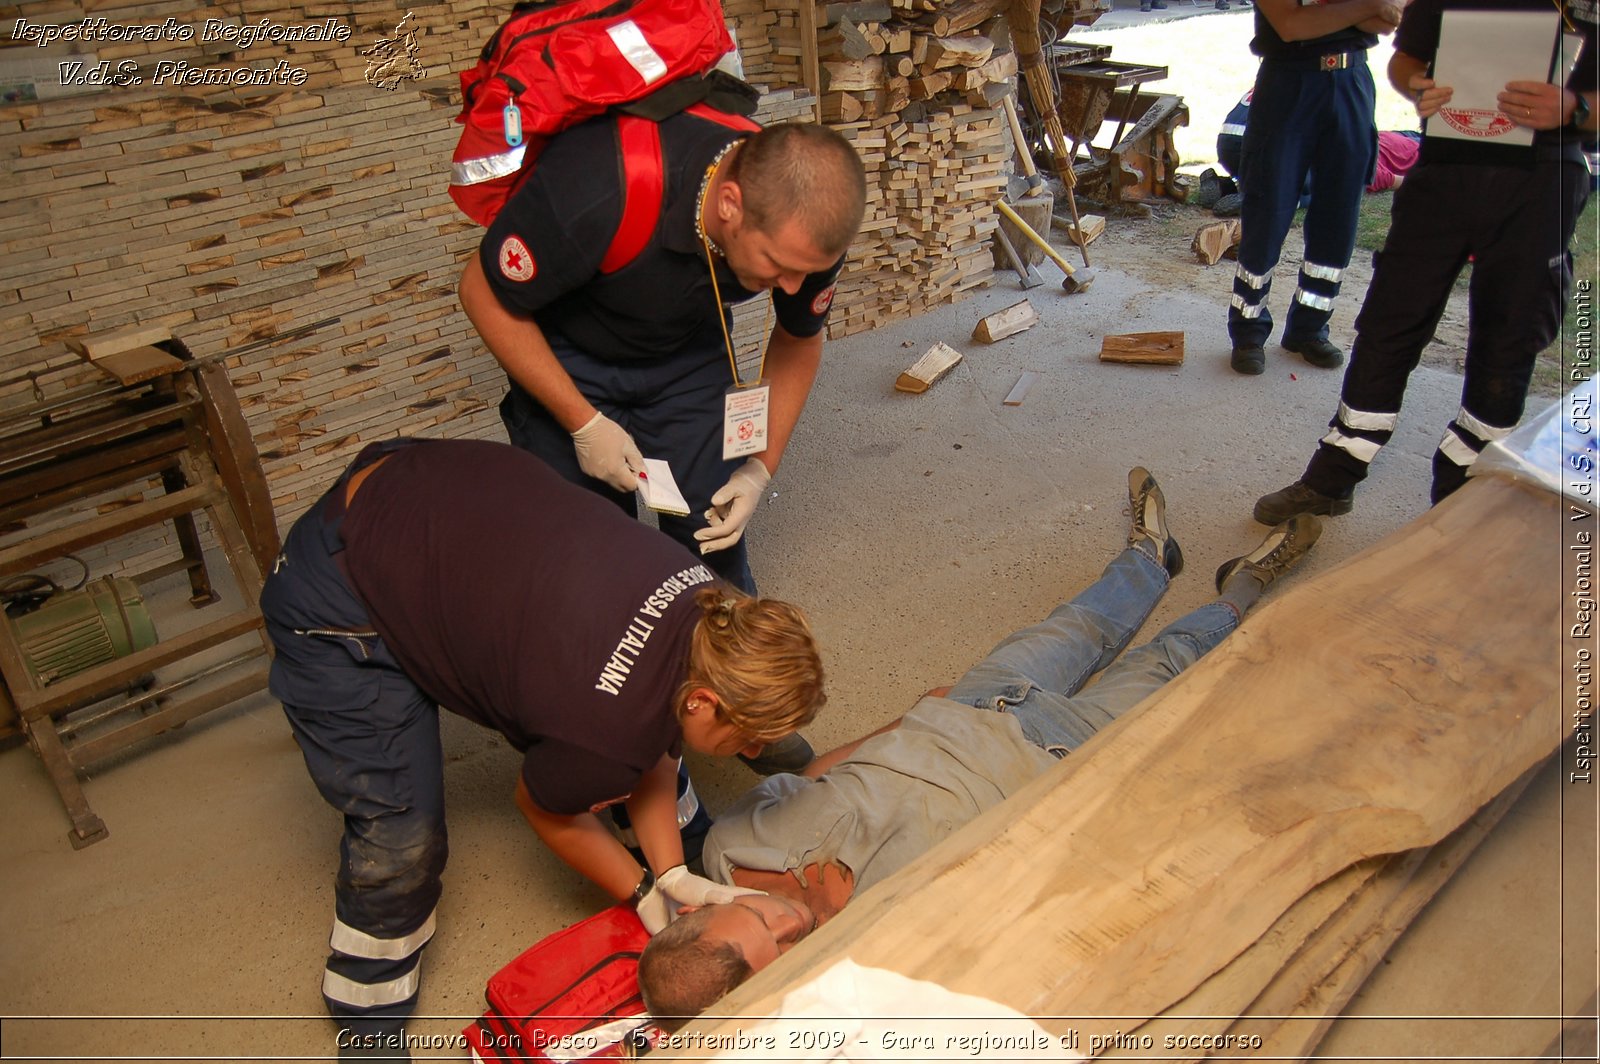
x=1311, y=113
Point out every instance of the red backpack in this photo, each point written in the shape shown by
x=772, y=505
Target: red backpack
x=553, y=65
x=544, y=1005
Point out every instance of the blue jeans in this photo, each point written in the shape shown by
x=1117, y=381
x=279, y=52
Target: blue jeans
x=1037, y=674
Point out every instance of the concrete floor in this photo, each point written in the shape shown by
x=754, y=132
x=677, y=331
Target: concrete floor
x=917, y=531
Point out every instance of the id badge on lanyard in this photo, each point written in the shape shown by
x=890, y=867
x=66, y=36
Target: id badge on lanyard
x=745, y=406
x=744, y=420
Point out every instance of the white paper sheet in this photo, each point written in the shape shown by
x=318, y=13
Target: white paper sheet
x=1479, y=52
x=659, y=488
x=852, y=1013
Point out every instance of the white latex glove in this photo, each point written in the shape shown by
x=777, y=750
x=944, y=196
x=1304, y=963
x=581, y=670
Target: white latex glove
x=678, y=887
x=732, y=506
x=606, y=452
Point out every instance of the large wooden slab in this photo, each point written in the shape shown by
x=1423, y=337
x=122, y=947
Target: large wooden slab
x=1364, y=713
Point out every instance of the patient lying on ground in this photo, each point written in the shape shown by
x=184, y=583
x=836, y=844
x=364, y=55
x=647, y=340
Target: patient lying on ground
x=866, y=810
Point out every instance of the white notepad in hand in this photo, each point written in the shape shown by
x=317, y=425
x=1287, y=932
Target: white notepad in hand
x=659, y=490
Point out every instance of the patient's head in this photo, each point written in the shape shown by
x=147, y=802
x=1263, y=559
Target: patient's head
x=703, y=954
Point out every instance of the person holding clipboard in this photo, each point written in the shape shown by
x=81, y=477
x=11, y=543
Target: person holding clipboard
x=1506, y=90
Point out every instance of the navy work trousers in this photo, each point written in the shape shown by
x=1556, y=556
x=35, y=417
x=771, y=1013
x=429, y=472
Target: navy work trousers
x=370, y=738
x=1515, y=223
x=1305, y=123
x=673, y=410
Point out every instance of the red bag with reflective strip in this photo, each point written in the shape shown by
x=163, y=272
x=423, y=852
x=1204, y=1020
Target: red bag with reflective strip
x=553, y=65
x=556, y=1000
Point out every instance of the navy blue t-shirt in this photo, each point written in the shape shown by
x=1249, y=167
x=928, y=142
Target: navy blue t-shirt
x=531, y=606
x=1269, y=45
x=542, y=253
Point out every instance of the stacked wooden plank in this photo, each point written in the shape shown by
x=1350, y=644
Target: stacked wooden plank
x=914, y=85
x=932, y=184
x=229, y=215
x=757, y=26
x=1233, y=856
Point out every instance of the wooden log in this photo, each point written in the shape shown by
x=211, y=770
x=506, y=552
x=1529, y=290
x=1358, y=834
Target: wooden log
x=935, y=362
x=1007, y=322
x=1293, y=1013
x=965, y=14
x=845, y=39
x=957, y=51
x=1213, y=239
x=1212, y=1007
x=841, y=107
x=986, y=97
x=853, y=75
x=1001, y=67
x=894, y=96
x=1153, y=348
x=930, y=85
x=860, y=11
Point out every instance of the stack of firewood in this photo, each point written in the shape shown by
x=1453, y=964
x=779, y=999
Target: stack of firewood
x=916, y=86
x=932, y=183
x=875, y=67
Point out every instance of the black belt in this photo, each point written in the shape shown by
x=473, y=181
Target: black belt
x=1332, y=61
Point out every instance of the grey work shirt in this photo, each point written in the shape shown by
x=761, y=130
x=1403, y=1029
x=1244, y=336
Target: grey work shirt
x=890, y=802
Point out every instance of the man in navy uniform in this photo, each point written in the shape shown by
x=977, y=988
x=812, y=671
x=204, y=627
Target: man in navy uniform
x=609, y=361
x=1311, y=113
x=1511, y=209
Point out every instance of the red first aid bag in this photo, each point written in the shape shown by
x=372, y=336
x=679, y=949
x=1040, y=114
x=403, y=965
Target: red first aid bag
x=553, y=65
x=562, y=998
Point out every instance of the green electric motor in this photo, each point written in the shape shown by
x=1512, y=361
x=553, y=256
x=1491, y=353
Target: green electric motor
x=76, y=630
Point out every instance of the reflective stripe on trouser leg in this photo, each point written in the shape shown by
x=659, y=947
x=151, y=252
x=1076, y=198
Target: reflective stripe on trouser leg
x=1343, y=456
x=1360, y=433
x=371, y=974
x=1250, y=292
x=1466, y=437
x=1314, y=295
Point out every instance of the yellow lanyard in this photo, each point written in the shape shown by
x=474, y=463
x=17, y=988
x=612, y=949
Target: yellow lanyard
x=723, y=313
x=1565, y=18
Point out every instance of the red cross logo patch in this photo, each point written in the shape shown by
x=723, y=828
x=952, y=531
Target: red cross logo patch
x=516, y=261
x=824, y=300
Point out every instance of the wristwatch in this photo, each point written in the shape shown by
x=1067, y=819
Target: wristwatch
x=1580, y=113
x=646, y=884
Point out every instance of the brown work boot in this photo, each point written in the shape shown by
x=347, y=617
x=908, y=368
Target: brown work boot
x=1283, y=546
x=1300, y=498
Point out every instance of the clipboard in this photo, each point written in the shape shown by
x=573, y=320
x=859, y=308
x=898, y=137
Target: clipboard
x=1479, y=52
